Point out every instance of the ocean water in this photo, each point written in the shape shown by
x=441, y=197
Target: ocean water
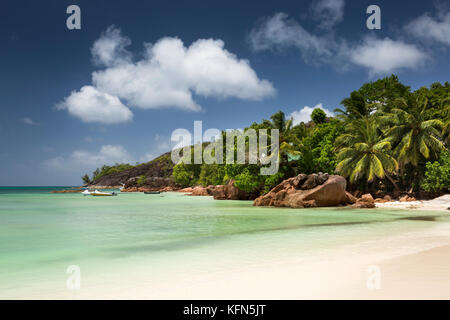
x=118, y=242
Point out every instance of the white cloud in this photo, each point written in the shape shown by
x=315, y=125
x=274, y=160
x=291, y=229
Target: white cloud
x=281, y=32
x=86, y=161
x=171, y=72
x=379, y=56
x=383, y=56
x=167, y=76
x=92, y=105
x=430, y=29
x=29, y=121
x=109, y=49
x=327, y=12
x=304, y=114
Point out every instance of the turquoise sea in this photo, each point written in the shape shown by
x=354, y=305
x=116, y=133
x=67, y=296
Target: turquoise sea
x=133, y=238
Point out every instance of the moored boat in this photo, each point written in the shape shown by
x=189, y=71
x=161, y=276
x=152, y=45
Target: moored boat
x=152, y=192
x=97, y=193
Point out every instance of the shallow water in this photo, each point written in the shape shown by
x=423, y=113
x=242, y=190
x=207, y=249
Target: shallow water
x=117, y=241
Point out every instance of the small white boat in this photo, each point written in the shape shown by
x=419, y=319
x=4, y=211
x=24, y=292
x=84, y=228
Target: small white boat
x=86, y=192
x=103, y=194
x=122, y=187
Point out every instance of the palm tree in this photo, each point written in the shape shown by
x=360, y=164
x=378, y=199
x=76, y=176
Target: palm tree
x=356, y=107
x=86, y=179
x=363, y=153
x=446, y=133
x=288, y=140
x=446, y=127
x=413, y=135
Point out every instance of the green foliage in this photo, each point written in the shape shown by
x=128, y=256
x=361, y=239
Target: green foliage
x=317, y=148
x=318, y=116
x=356, y=107
x=104, y=170
x=272, y=181
x=289, y=142
x=186, y=174
x=363, y=153
x=414, y=124
x=383, y=93
x=86, y=179
x=211, y=174
x=140, y=180
x=437, y=174
x=411, y=133
x=247, y=181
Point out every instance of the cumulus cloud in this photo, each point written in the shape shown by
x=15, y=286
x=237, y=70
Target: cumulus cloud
x=280, y=32
x=430, y=29
x=168, y=75
x=91, y=105
x=29, y=121
x=304, y=114
x=383, y=56
x=171, y=72
x=82, y=160
x=327, y=12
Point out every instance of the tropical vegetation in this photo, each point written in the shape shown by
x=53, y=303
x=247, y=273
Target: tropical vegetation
x=383, y=137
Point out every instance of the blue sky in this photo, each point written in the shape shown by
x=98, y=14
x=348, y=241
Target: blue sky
x=116, y=89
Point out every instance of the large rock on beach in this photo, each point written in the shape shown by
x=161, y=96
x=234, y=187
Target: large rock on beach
x=305, y=191
x=199, y=191
x=229, y=192
x=366, y=201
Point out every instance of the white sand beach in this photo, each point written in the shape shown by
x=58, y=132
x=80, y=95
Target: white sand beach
x=440, y=203
x=412, y=266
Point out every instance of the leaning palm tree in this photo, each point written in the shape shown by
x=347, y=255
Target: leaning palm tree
x=364, y=154
x=412, y=133
x=289, y=142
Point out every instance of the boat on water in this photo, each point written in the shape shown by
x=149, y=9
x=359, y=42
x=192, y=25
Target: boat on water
x=152, y=192
x=97, y=193
x=122, y=187
x=86, y=193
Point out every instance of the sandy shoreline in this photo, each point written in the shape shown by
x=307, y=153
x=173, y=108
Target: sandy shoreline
x=371, y=270
x=441, y=203
x=347, y=274
x=414, y=265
